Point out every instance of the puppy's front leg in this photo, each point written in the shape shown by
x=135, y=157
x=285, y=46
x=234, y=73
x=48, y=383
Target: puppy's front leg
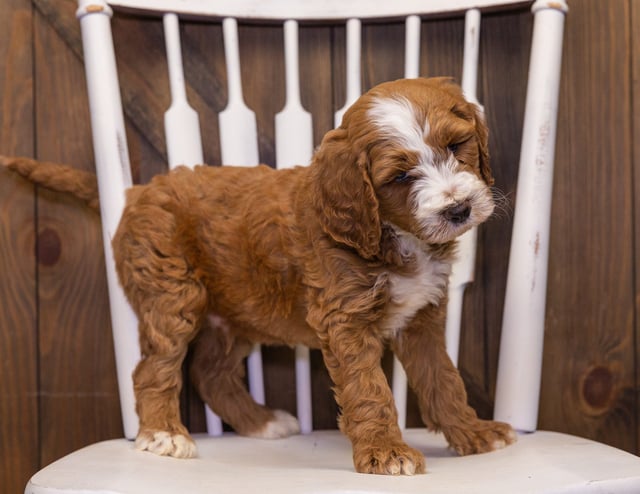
x=441, y=394
x=369, y=417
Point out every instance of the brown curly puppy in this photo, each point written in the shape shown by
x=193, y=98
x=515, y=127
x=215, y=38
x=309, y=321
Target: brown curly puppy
x=347, y=255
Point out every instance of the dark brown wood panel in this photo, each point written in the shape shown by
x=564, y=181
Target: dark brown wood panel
x=634, y=19
x=316, y=46
x=19, y=432
x=588, y=385
x=204, y=65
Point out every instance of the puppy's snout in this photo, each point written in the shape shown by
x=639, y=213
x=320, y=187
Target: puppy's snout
x=458, y=213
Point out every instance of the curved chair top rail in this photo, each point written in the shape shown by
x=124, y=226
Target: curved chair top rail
x=310, y=10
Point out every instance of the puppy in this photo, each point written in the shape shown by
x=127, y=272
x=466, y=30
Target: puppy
x=348, y=255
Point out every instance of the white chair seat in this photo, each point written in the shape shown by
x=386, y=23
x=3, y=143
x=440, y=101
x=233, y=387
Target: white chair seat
x=321, y=462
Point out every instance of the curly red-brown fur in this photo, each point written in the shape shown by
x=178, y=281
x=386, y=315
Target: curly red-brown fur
x=347, y=255
x=63, y=178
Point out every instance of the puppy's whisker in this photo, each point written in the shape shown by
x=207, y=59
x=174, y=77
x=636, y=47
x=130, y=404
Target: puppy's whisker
x=503, y=204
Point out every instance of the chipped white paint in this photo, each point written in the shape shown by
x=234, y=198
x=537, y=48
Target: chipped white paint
x=110, y=149
x=520, y=360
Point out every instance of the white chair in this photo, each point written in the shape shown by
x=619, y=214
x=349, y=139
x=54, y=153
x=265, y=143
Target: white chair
x=320, y=461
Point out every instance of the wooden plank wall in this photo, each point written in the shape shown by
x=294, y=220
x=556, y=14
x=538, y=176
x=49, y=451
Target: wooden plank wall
x=57, y=376
x=19, y=431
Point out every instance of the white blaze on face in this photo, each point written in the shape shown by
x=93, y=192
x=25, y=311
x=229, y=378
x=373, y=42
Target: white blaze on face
x=396, y=118
x=438, y=183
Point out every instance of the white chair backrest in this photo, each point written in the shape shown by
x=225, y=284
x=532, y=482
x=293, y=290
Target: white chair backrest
x=521, y=350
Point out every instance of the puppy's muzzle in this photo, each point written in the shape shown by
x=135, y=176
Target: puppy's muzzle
x=458, y=213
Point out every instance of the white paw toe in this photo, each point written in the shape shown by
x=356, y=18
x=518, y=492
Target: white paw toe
x=283, y=424
x=166, y=444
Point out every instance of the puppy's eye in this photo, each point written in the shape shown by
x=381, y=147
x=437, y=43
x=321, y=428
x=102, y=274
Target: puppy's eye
x=454, y=147
x=402, y=177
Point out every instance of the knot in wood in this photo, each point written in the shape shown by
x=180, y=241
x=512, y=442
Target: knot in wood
x=49, y=247
x=598, y=389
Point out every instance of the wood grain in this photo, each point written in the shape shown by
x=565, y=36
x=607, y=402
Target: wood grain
x=588, y=385
x=19, y=431
x=635, y=72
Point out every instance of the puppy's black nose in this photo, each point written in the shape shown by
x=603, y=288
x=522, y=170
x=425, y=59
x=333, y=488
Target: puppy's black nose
x=459, y=213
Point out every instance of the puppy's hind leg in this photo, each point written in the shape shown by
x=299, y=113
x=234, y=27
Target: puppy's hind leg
x=217, y=371
x=167, y=325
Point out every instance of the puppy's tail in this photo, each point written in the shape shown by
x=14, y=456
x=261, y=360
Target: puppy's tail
x=60, y=178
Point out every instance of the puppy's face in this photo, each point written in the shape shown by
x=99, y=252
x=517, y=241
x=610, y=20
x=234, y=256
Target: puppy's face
x=412, y=153
x=427, y=158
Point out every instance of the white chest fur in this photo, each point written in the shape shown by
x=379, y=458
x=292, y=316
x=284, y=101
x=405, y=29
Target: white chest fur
x=412, y=291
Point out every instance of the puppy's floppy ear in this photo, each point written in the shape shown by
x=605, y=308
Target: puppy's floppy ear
x=482, y=137
x=477, y=114
x=345, y=200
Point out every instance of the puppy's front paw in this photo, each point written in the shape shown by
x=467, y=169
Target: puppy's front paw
x=482, y=436
x=396, y=459
x=164, y=443
x=282, y=424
